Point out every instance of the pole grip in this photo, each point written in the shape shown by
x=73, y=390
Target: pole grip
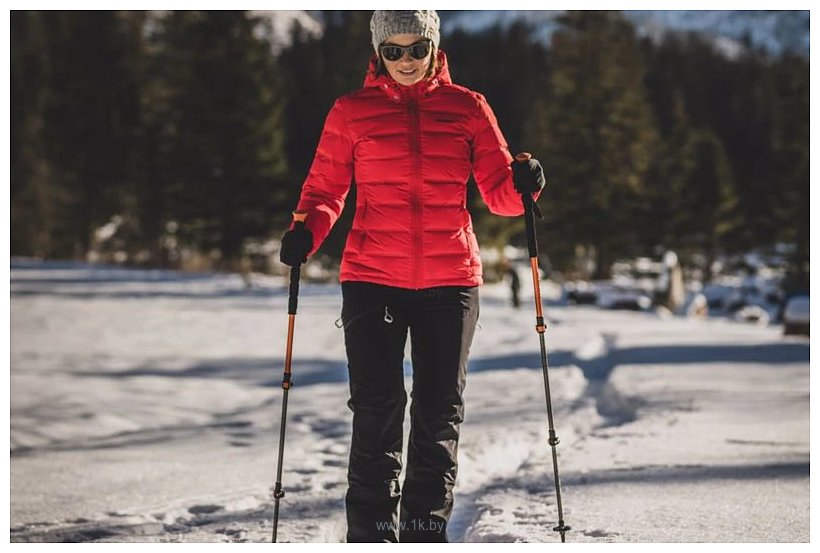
x=529, y=211
x=529, y=222
x=293, y=293
x=295, y=272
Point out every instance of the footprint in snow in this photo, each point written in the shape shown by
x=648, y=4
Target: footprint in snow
x=204, y=509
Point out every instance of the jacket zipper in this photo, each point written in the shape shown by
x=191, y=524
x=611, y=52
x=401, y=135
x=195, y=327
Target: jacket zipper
x=415, y=193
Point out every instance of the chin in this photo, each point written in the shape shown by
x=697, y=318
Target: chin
x=407, y=80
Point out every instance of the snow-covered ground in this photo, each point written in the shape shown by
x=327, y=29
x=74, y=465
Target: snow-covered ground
x=145, y=407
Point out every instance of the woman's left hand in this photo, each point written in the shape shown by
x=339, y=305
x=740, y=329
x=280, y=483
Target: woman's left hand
x=528, y=176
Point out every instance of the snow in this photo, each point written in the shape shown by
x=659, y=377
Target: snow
x=145, y=407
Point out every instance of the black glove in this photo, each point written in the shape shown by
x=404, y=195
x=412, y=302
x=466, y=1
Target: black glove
x=528, y=176
x=296, y=245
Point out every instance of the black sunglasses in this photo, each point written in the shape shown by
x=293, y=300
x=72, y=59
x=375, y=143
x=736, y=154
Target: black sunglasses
x=393, y=52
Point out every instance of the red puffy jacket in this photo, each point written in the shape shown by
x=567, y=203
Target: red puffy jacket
x=410, y=150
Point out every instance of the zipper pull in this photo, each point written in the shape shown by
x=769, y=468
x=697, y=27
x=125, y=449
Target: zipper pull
x=388, y=318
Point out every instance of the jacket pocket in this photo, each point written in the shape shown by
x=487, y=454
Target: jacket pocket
x=361, y=227
x=472, y=244
x=345, y=320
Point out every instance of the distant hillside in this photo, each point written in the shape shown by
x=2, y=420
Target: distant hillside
x=775, y=31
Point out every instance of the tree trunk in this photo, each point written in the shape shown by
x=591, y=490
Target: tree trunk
x=603, y=261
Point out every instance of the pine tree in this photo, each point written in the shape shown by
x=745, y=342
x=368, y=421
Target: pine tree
x=222, y=138
x=79, y=120
x=747, y=132
x=32, y=196
x=708, y=200
x=660, y=203
x=597, y=134
x=790, y=143
x=753, y=112
x=691, y=193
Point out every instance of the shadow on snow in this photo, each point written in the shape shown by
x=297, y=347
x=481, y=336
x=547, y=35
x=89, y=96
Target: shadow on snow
x=599, y=368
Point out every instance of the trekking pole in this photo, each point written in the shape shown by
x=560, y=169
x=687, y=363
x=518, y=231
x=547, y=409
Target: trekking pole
x=293, y=296
x=529, y=211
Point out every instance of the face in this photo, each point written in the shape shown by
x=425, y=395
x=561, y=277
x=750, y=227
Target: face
x=406, y=70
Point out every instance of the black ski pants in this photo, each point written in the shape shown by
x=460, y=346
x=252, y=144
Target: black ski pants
x=441, y=322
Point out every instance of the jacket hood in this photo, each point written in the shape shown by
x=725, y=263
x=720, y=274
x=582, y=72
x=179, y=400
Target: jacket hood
x=441, y=76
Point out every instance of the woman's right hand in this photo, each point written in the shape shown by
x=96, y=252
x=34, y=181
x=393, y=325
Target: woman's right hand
x=296, y=245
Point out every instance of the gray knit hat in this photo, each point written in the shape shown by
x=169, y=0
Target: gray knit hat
x=386, y=23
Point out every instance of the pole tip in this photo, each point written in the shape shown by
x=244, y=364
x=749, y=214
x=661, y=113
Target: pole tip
x=562, y=529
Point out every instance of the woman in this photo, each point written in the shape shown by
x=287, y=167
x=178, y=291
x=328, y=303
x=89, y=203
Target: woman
x=410, y=138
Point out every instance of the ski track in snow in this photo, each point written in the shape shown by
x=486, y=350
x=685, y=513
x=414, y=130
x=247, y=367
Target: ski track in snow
x=145, y=407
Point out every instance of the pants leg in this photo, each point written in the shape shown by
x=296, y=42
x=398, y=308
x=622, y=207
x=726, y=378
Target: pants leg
x=441, y=329
x=375, y=353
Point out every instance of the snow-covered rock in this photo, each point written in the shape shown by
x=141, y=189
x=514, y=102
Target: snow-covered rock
x=796, y=315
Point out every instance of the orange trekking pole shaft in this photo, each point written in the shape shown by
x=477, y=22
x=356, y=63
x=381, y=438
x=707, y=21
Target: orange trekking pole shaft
x=540, y=326
x=293, y=297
